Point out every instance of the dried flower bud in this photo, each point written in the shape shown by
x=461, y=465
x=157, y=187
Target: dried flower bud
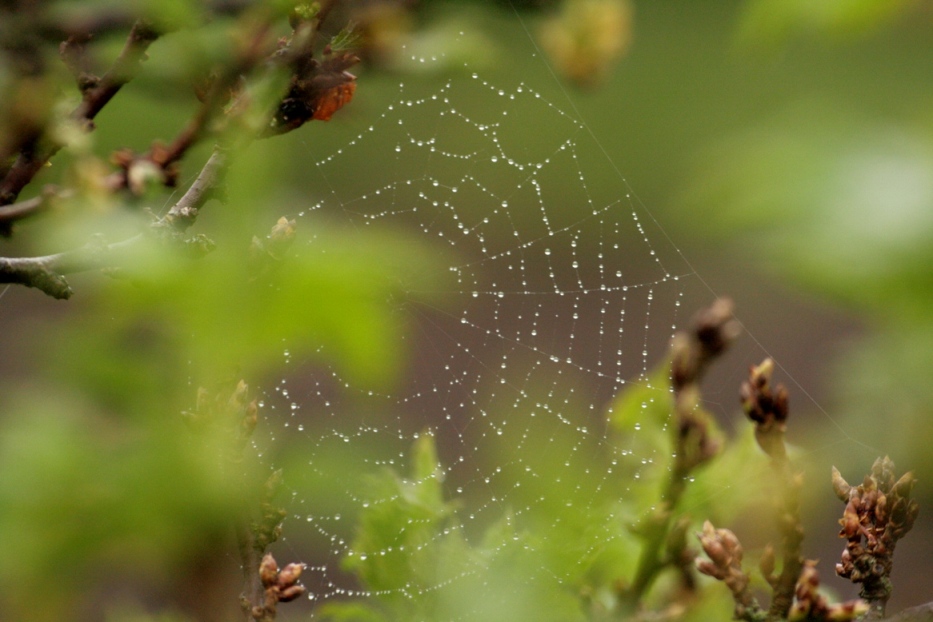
x=683, y=362
x=849, y=521
x=289, y=575
x=905, y=485
x=143, y=174
x=714, y=328
x=710, y=569
x=840, y=486
x=878, y=513
x=268, y=570
x=767, y=408
x=291, y=593
x=720, y=545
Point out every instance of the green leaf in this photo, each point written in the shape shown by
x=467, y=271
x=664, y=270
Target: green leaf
x=644, y=408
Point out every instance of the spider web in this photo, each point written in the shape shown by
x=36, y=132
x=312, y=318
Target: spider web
x=560, y=293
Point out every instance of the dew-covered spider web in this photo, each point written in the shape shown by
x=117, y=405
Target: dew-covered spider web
x=559, y=292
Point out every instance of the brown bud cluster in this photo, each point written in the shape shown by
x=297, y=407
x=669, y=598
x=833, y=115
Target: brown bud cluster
x=878, y=513
x=767, y=408
x=714, y=328
x=283, y=584
x=279, y=586
x=811, y=606
x=725, y=564
x=159, y=167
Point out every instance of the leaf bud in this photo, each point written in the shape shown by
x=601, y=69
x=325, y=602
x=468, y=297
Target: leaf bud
x=289, y=575
x=849, y=521
x=268, y=570
x=710, y=569
x=840, y=486
x=291, y=593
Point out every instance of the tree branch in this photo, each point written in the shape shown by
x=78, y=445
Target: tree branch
x=183, y=214
x=9, y=214
x=47, y=273
x=96, y=96
x=321, y=89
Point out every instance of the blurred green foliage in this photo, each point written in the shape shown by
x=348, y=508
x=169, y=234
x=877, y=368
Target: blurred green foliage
x=568, y=554
x=835, y=198
x=816, y=166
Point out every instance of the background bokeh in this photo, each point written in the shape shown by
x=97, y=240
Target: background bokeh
x=784, y=148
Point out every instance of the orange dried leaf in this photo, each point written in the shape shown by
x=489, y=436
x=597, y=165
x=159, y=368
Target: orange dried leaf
x=333, y=100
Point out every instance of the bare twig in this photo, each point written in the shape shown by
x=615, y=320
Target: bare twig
x=9, y=214
x=28, y=163
x=124, y=69
x=48, y=273
x=317, y=90
x=183, y=214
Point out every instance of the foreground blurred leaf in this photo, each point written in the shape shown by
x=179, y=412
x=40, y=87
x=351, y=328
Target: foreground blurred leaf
x=338, y=296
x=83, y=495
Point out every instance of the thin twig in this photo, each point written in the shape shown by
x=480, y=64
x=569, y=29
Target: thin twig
x=47, y=273
x=29, y=163
x=14, y=212
x=183, y=214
